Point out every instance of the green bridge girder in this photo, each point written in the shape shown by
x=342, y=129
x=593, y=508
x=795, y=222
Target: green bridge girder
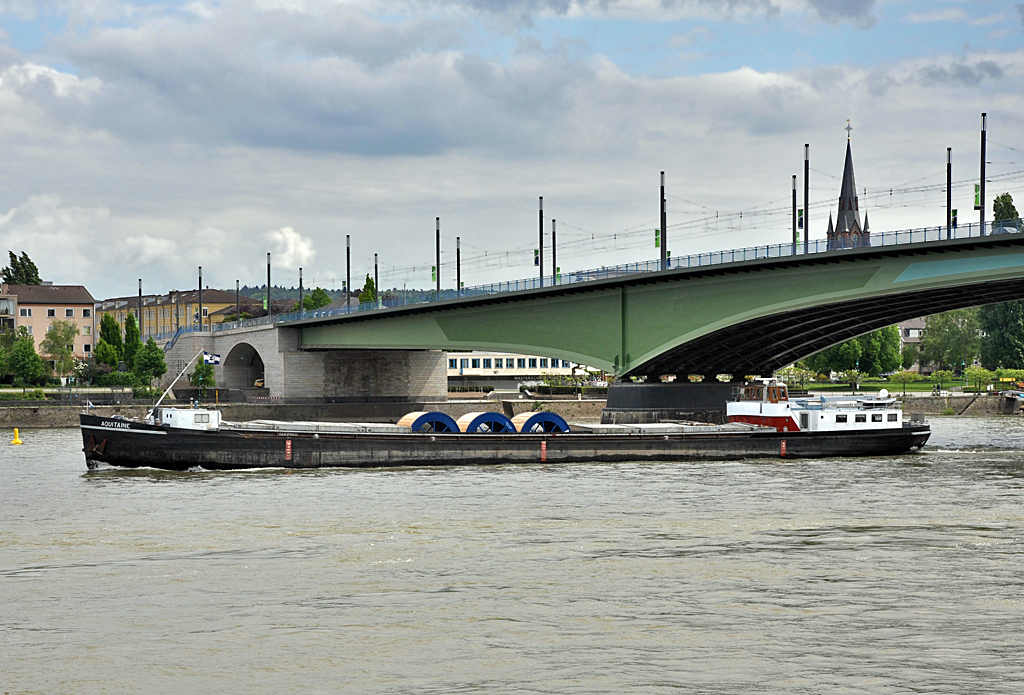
x=742, y=318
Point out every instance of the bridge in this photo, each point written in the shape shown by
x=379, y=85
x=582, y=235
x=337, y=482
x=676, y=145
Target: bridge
x=743, y=311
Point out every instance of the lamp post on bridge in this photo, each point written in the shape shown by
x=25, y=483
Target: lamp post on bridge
x=663, y=218
x=807, y=193
x=796, y=238
x=949, y=192
x=540, y=242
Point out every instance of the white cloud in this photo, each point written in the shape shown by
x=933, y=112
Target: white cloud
x=946, y=14
x=290, y=249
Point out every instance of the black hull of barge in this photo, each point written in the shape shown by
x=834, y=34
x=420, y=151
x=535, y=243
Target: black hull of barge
x=133, y=444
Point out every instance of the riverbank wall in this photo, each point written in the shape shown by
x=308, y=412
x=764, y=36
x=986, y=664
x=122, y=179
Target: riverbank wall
x=50, y=416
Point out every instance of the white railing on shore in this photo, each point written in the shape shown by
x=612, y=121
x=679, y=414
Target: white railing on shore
x=405, y=298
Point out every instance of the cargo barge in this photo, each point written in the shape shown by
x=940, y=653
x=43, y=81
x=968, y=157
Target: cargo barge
x=763, y=424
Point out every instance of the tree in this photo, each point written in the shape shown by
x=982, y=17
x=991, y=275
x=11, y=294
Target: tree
x=110, y=333
x=951, y=338
x=23, y=362
x=909, y=355
x=59, y=345
x=104, y=353
x=979, y=376
x=872, y=353
x=905, y=378
x=369, y=293
x=202, y=378
x=21, y=271
x=838, y=358
x=1003, y=342
x=317, y=299
x=149, y=362
x=880, y=351
x=1003, y=209
x=132, y=340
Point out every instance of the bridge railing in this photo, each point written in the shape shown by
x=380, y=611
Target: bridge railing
x=405, y=298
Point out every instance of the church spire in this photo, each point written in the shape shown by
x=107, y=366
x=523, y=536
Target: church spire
x=849, y=208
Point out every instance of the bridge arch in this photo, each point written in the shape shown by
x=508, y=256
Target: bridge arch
x=243, y=367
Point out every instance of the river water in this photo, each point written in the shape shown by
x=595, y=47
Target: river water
x=887, y=575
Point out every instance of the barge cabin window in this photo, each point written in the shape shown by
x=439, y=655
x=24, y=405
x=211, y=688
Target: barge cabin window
x=876, y=417
x=860, y=417
x=840, y=418
x=892, y=417
x=487, y=363
x=509, y=363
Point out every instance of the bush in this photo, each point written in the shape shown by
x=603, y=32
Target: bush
x=117, y=379
x=33, y=395
x=146, y=392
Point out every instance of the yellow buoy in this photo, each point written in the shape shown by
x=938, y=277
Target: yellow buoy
x=17, y=440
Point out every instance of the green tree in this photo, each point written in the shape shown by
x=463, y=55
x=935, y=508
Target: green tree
x=979, y=376
x=110, y=333
x=59, y=345
x=21, y=271
x=905, y=378
x=24, y=363
x=909, y=355
x=880, y=351
x=1003, y=209
x=149, y=362
x=317, y=299
x=202, y=378
x=1003, y=342
x=838, y=358
x=104, y=353
x=951, y=338
x=369, y=293
x=132, y=340
x=943, y=376
x=872, y=353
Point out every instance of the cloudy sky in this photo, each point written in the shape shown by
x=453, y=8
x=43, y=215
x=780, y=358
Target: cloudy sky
x=143, y=139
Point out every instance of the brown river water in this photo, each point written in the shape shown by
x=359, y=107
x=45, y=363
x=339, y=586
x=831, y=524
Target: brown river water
x=886, y=575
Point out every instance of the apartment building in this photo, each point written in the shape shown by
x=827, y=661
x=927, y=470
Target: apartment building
x=35, y=307
x=163, y=314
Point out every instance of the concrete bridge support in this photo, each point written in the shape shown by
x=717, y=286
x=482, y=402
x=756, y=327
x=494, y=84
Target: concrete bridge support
x=273, y=354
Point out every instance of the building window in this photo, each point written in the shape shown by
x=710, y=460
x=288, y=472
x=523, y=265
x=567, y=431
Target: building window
x=860, y=418
x=25, y=313
x=87, y=347
x=521, y=363
x=533, y=363
x=86, y=330
x=487, y=363
x=51, y=313
x=206, y=311
x=69, y=313
x=28, y=329
x=544, y=362
x=509, y=363
x=453, y=364
x=892, y=417
x=840, y=418
x=476, y=363
x=464, y=363
x=86, y=313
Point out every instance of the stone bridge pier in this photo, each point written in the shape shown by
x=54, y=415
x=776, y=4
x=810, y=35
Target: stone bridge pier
x=273, y=354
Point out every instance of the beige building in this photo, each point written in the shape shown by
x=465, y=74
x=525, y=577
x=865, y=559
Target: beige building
x=163, y=314
x=35, y=307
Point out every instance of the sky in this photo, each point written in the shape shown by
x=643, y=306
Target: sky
x=145, y=139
